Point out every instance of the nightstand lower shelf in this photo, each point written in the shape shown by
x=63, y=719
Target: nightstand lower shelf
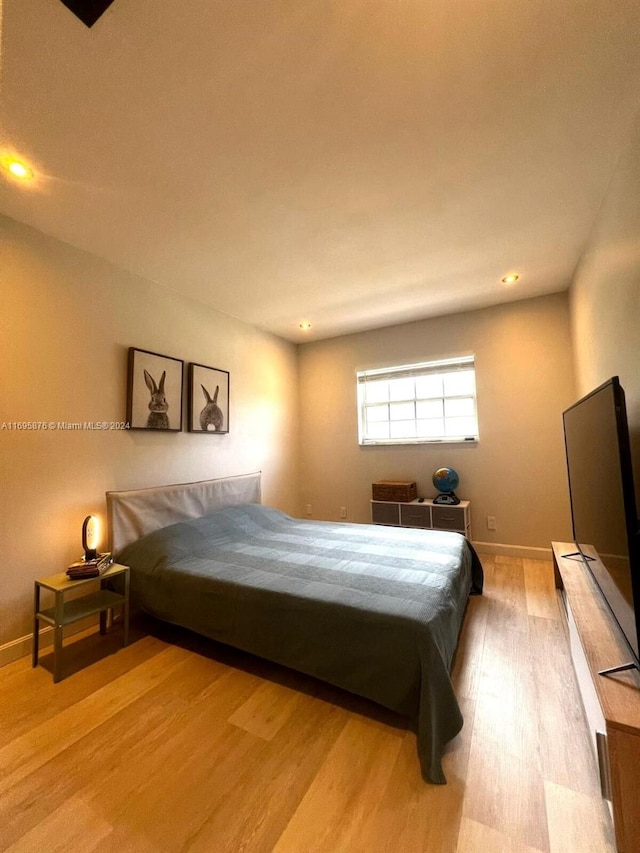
x=79, y=608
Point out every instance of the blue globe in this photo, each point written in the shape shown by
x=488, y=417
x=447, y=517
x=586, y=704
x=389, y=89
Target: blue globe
x=446, y=480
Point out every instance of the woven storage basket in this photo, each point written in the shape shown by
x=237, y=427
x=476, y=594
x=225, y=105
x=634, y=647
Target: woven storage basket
x=394, y=490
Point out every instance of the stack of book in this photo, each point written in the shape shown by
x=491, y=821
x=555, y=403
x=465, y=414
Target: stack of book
x=89, y=568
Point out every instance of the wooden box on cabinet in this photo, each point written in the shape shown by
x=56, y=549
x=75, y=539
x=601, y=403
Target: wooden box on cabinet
x=394, y=490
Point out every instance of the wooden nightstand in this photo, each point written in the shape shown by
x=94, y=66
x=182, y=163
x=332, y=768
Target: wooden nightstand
x=65, y=612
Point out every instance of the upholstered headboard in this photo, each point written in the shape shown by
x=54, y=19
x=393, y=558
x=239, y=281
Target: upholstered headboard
x=134, y=513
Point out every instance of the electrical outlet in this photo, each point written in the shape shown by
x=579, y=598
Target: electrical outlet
x=491, y=522
x=308, y=509
x=343, y=512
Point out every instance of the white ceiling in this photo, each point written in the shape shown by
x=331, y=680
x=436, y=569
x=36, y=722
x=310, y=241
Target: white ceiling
x=356, y=163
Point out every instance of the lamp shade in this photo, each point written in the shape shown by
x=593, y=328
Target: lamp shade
x=90, y=537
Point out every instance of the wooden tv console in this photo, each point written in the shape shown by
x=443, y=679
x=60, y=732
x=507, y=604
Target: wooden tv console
x=611, y=702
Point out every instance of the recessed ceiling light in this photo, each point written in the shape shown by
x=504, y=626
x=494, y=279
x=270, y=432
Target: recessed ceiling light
x=305, y=325
x=511, y=278
x=17, y=168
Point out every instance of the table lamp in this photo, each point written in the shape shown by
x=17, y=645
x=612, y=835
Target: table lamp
x=90, y=531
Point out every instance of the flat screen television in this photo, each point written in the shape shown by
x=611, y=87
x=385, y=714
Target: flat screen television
x=603, y=502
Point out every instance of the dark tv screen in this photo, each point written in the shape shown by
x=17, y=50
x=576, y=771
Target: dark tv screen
x=603, y=505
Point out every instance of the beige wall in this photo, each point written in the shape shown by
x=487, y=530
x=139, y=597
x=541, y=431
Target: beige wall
x=605, y=295
x=67, y=321
x=524, y=380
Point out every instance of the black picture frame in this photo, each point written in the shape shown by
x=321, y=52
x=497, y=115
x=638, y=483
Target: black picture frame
x=208, y=400
x=154, y=391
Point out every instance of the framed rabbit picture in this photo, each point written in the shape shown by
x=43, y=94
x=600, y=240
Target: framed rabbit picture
x=208, y=399
x=154, y=391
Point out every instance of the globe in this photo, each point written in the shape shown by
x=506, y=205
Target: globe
x=446, y=480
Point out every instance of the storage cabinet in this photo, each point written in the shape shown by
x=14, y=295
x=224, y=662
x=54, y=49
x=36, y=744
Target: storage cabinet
x=424, y=514
x=611, y=702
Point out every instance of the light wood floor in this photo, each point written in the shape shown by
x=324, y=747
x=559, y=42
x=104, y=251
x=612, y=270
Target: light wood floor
x=176, y=744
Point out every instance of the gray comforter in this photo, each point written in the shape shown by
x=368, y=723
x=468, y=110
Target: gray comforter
x=374, y=610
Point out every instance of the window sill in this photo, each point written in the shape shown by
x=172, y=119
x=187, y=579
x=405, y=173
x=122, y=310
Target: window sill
x=399, y=441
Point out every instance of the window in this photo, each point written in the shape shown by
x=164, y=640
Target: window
x=412, y=403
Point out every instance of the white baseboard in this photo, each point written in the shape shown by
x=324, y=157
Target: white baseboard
x=22, y=646
x=527, y=551
x=16, y=649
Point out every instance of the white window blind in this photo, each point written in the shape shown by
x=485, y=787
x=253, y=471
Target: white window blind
x=413, y=403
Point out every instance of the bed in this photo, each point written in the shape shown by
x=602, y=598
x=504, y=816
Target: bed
x=373, y=610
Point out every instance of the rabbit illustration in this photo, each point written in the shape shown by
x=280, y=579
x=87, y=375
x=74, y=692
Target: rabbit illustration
x=211, y=415
x=158, y=418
